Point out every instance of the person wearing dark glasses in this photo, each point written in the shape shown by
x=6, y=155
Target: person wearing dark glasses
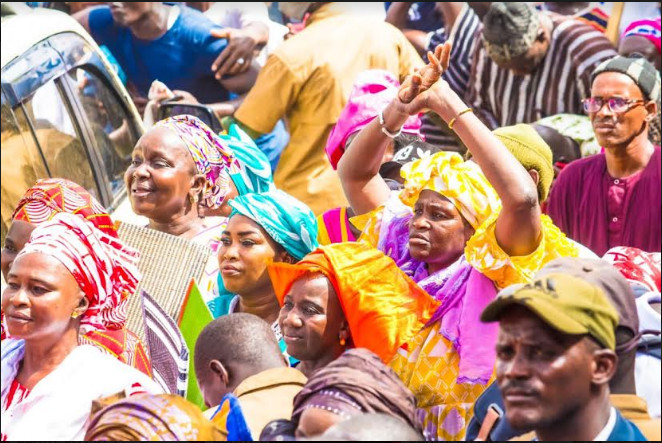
x=614, y=198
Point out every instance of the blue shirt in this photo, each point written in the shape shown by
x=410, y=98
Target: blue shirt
x=181, y=58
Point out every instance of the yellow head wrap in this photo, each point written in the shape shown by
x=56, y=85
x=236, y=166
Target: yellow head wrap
x=463, y=183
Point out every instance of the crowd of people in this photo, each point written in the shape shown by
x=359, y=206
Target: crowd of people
x=441, y=223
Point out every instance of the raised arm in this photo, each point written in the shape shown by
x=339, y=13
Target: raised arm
x=359, y=166
x=518, y=226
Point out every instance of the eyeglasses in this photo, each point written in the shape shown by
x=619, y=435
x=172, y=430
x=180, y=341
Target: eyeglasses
x=616, y=104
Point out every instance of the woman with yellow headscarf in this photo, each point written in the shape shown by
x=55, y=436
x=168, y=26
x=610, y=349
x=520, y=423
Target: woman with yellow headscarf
x=461, y=230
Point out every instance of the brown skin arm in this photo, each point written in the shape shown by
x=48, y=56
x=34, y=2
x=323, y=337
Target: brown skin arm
x=83, y=17
x=358, y=168
x=243, y=82
x=397, y=14
x=242, y=43
x=518, y=227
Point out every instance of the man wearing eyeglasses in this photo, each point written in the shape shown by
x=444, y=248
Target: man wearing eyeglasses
x=614, y=198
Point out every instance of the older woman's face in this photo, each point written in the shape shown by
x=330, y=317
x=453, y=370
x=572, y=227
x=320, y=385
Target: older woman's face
x=243, y=256
x=160, y=177
x=17, y=236
x=437, y=231
x=40, y=297
x=311, y=319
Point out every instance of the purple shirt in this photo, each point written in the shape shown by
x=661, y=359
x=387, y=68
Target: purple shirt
x=601, y=212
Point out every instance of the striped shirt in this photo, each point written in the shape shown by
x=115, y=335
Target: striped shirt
x=457, y=75
x=561, y=81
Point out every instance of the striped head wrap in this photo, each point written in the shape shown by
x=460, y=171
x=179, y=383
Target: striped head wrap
x=104, y=267
x=52, y=196
x=640, y=70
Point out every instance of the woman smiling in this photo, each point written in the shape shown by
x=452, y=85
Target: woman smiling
x=68, y=279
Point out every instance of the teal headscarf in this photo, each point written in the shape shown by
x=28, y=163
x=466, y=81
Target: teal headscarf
x=288, y=222
x=251, y=172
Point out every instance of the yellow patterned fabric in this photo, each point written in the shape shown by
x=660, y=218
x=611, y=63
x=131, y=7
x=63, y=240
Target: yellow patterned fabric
x=463, y=183
x=485, y=255
x=429, y=367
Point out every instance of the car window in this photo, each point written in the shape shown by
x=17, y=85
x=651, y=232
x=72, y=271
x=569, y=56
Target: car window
x=109, y=123
x=58, y=137
x=22, y=163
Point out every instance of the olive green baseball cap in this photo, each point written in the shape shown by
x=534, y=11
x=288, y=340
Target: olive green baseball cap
x=567, y=303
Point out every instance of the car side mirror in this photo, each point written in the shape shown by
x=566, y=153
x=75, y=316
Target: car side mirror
x=203, y=112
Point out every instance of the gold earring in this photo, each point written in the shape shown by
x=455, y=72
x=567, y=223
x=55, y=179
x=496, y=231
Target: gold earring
x=75, y=314
x=342, y=342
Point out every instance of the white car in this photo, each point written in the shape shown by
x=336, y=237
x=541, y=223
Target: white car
x=65, y=112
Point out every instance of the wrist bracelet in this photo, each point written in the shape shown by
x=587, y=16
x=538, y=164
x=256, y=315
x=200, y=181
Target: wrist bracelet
x=386, y=131
x=454, y=119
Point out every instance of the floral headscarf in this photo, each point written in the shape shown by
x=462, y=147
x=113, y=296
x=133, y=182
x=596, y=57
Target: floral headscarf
x=103, y=266
x=210, y=154
x=165, y=417
x=250, y=169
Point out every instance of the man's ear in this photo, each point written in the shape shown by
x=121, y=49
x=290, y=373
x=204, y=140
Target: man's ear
x=605, y=363
x=651, y=111
x=218, y=370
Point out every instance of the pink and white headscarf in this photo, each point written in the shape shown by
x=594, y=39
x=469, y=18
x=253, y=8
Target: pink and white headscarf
x=372, y=91
x=649, y=29
x=636, y=265
x=104, y=267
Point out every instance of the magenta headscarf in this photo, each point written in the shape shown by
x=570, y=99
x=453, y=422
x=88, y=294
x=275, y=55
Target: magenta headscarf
x=649, y=29
x=373, y=90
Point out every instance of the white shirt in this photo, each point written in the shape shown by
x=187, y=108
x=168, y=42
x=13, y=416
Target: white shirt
x=609, y=427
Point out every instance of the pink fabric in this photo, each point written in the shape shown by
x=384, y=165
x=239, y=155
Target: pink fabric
x=636, y=265
x=372, y=91
x=619, y=193
x=333, y=225
x=649, y=29
x=464, y=293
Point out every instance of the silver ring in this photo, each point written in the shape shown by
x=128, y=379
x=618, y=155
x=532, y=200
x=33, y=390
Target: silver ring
x=241, y=61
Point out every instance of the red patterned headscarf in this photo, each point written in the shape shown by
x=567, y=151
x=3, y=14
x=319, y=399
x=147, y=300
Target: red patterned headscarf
x=636, y=265
x=52, y=196
x=103, y=266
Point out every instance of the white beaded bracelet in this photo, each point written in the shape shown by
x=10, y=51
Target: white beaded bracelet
x=386, y=131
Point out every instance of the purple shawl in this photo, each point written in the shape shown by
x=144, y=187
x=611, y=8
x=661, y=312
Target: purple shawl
x=578, y=205
x=463, y=292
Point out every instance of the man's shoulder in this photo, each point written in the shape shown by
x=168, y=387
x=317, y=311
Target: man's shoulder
x=576, y=34
x=100, y=20
x=194, y=26
x=625, y=430
x=583, y=166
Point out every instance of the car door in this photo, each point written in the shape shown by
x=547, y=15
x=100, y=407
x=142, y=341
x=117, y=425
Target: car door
x=70, y=118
